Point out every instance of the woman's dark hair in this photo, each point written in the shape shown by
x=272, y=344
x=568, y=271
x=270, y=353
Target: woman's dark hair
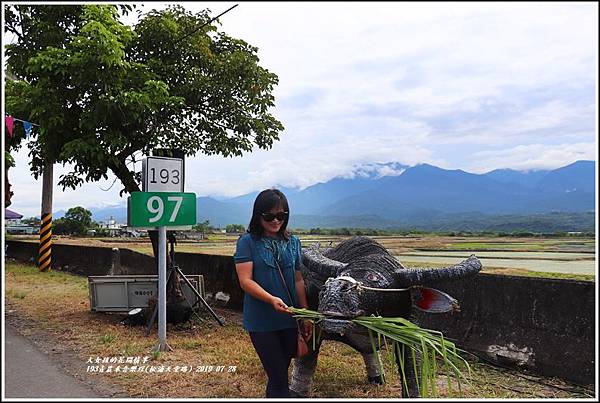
x=265, y=201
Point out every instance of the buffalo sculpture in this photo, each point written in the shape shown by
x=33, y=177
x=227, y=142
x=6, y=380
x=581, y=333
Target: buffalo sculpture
x=359, y=277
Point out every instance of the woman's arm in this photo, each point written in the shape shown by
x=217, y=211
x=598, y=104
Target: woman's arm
x=244, y=273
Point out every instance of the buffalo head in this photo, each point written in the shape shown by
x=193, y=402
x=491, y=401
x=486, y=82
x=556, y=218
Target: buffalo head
x=362, y=278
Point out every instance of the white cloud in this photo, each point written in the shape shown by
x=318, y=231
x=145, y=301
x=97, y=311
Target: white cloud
x=461, y=85
x=533, y=157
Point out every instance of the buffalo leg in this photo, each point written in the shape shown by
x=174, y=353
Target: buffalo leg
x=373, y=367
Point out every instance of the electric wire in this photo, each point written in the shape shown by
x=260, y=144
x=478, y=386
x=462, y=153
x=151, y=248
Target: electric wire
x=203, y=25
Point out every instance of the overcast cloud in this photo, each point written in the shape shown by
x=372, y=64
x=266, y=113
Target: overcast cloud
x=472, y=86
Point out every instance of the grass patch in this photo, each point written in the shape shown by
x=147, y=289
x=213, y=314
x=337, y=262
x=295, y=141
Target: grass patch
x=107, y=338
x=131, y=349
x=539, y=274
x=189, y=344
x=16, y=294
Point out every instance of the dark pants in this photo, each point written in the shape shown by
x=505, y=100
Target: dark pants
x=276, y=350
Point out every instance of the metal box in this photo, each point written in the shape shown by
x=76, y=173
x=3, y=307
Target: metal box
x=124, y=293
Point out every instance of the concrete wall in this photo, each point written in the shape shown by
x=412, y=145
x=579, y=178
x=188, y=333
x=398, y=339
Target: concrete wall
x=218, y=271
x=82, y=260
x=544, y=325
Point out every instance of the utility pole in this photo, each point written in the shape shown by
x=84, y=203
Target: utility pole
x=45, y=251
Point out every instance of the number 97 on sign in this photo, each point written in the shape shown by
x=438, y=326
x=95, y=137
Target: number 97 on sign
x=161, y=209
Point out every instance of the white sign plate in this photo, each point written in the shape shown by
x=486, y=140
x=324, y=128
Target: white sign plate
x=162, y=174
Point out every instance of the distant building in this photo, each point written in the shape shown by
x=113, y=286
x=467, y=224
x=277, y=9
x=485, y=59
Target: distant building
x=12, y=218
x=13, y=224
x=111, y=226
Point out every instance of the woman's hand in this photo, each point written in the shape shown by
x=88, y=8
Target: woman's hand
x=280, y=306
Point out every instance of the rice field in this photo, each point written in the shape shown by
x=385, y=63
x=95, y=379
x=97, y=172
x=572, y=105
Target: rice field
x=587, y=267
x=534, y=255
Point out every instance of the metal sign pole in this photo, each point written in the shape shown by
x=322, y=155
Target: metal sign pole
x=162, y=291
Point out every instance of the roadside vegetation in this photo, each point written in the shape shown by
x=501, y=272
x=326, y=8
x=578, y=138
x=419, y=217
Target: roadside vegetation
x=57, y=304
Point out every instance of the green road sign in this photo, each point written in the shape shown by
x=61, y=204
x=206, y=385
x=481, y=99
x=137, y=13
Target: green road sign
x=161, y=209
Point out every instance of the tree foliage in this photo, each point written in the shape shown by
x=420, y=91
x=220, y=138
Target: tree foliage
x=32, y=221
x=104, y=92
x=234, y=228
x=203, y=227
x=77, y=221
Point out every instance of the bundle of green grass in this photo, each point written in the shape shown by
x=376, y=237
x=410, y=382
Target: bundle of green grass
x=395, y=333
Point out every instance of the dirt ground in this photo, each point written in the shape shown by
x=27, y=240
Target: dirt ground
x=489, y=382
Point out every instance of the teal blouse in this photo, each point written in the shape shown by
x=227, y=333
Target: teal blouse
x=260, y=316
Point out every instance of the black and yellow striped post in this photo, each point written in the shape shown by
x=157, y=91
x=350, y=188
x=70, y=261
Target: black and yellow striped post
x=45, y=252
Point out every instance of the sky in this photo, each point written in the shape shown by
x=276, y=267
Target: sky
x=471, y=86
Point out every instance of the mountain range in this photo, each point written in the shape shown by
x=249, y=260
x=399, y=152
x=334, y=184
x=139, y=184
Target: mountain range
x=419, y=196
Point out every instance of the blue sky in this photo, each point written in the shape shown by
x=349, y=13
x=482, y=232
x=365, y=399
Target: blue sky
x=472, y=86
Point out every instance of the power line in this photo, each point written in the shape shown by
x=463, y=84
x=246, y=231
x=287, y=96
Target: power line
x=205, y=24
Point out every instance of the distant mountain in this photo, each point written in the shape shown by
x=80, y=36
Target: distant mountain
x=395, y=196
x=314, y=199
x=250, y=197
x=528, y=179
x=578, y=177
x=222, y=213
x=117, y=213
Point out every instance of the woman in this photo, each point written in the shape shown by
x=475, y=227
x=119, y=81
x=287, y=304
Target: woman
x=272, y=329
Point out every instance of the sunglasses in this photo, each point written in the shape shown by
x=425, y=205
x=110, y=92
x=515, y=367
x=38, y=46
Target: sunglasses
x=268, y=217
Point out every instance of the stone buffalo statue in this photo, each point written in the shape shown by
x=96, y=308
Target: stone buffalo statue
x=360, y=277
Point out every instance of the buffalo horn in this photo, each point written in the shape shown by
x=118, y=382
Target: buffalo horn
x=315, y=262
x=421, y=276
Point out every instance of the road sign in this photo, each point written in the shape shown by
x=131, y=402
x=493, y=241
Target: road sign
x=162, y=174
x=162, y=205
x=161, y=209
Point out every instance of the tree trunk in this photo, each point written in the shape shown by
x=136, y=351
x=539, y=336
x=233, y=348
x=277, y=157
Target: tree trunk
x=7, y=193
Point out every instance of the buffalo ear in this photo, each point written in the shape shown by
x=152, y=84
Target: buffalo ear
x=433, y=301
x=314, y=261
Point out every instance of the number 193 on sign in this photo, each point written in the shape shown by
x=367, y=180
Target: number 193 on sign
x=161, y=209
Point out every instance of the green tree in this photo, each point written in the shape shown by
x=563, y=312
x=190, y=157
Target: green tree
x=203, y=227
x=234, y=228
x=77, y=221
x=32, y=221
x=59, y=227
x=103, y=92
